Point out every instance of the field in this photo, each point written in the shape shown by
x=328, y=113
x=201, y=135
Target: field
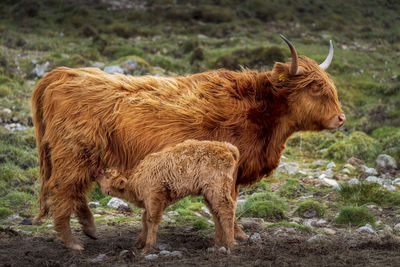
x=323, y=188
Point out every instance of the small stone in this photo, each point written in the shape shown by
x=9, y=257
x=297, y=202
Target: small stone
x=98, y=64
x=290, y=168
x=367, y=170
x=177, y=254
x=41, y=69
x=94, y=204
x=114, y=69
x=256, y=237
x=151, y=257
x=164, y=253
x=319, y=162
x=387, y=228
x=26, y=222
x=355, y=161
x=373, y=179
x=14, y=218
x=210, y=249
x=321, y=223
x=353, y=181
x=386, y=161
x=315, y=238
x=396, y=228
x=24, y=232
x=330, y=183
x=6, y=111
x=278, y=231
x=116, y=202
x=346, y=171
x=329, y=231
x=162, y=246
x=14, y=119
x=126, y=253
x=252, y=223
x=309, y=222
x=390, y=187
x=173, y=213
x=222, y=250
x=99, y=258
x=331, y=165
x=367, y=229
x=109, y=218
x=96, y=215
x=349, y=166
x=310, y=214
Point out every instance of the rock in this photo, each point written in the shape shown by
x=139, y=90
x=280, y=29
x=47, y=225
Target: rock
x=349, y=166
x=326, y=174
x=151, y=257
x=162, y=246
x=355, y=161
x=368, y=170
x=310, y=214
x=41, y=69
x=124, y=209
x=98, y=64
x=14, y=218
x=331, y=165
x=96, y=215
x=26, y=222
x=99, y=258
x=373, y=179
x=396, y=228
x=164, y=253
x=353, y=181
x=309, y=223
x=6, y=112
x=315, y=238
x=252, y=223
x=126, y=253
x=290, y=168
x=367, y=229
x=24, y=232
x=256, y=237
x=116, y=202
x=389, y=187
x=206, y=211
x=321, y=223
x=330, y=183
x=173, y=213
x=129, y=66
x=109, y=218
x=346, y=171
x=387, y=228
x=210, y=249
x=114, y=69
x=386, y=161
x=319, y=162
x=94, y=204
x=329, y=231
x=177, y=254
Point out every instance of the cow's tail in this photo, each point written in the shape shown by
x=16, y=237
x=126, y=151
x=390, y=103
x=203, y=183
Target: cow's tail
x=44, y=151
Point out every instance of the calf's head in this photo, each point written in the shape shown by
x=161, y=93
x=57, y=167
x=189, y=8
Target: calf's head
x=112, y=182
x=311, y=96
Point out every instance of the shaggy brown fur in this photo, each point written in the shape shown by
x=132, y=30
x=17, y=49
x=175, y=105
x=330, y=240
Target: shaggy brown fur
x=86, y=119
x=162, y=178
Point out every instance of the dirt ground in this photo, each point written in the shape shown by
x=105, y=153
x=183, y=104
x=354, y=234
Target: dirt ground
x=286, y=249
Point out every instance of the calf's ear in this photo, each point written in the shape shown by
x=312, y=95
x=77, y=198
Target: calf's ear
x=120, y=182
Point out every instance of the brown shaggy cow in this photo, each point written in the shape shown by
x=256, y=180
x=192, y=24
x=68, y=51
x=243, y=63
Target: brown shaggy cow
x=86, y=119
x=192, y=168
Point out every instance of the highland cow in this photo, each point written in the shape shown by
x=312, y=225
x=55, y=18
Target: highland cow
x=86, y=120
x=190, y=168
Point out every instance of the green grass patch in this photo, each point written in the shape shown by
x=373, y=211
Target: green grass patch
x=4, y=212
x=291, y=189
x=354, y=216
x=264, y=205
x=311, y=206
x=367, y=193
x=301, y=228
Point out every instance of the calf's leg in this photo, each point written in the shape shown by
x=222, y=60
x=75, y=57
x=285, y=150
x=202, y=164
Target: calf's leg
x=141, y=241
x=218, y=229
x=155, y=208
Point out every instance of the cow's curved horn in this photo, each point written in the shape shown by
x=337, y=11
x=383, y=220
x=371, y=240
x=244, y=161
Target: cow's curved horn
x=294, y=67
x=324, y=65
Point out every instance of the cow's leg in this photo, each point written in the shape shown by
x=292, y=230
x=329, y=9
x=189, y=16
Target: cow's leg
x=86, y=219
x=141, y=241
x=239, y=234
x=155, y=207
x=218, y=229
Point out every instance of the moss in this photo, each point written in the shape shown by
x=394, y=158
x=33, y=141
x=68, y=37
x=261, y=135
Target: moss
x=263, y=205
x=9, y=172
x=4, y=212
x=16, y=200
x=301, y=228
x=357, y=144
x=310, y=205
x=354, y=216
x=366, y=193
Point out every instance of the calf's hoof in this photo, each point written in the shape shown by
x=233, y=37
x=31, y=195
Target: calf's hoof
x=139, y=244
x=241, y=236
x=147, y=250
x=90, y=232
x=74, y=245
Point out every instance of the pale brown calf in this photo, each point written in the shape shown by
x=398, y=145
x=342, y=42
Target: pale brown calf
x=190, y=168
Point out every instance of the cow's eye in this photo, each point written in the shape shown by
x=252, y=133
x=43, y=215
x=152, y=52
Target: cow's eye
x=315, y=89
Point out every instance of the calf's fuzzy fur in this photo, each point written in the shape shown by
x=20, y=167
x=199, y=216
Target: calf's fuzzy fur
x=190, y=168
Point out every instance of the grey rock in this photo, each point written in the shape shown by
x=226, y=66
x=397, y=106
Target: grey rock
x=389, y=187
x=386, y=161
x=41, y=69
x=99, y=258
x=387, y=228
x=98, y=64
x=396, y=228
x=353, y=181
x=222, y=250
x=290, y=168
x=326, y=174
x=210, y=249
x=164, y=253
x=367, y=170
x=252, y=223
x=329, y=231
x=116, y=202
x=331, y=165
x=126, y=253
x=114, y=69
x=14, y=119
x=6, y=111
x=373, y=179
x=321, y=223
x=346, y=171
x=349, y=166
x=366, y=229
x=316, y=238
x=24, y=232
x=255, y=237
x=319, y=162
x=310, y=214
x=173, y=213
x=14, y=218
x=330, y=183
x=177, y=254
x=309, y=223
x=109, y=218
x=94, y=204
x=151, y=257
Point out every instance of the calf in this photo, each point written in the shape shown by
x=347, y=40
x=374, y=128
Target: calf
x=190, y=168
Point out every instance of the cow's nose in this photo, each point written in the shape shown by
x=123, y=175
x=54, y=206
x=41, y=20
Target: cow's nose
x=342, y=118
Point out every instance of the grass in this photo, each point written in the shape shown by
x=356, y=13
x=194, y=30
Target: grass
x=309, y=206
x=291, y=189
x=355, y=216
x=299, y=227
x=367, y=193
x=264, y=205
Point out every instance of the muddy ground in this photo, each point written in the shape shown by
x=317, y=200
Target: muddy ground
x=284, y=249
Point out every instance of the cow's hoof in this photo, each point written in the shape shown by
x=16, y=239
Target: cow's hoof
x=90, y=233
x=74, y=246
x=241, y=236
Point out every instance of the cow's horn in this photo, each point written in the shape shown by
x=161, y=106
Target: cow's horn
x=294, y=67
x=324, y=65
